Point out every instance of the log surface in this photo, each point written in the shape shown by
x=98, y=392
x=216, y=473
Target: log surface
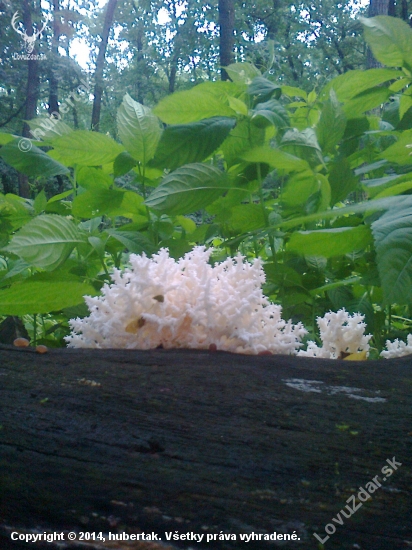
x=209, y=443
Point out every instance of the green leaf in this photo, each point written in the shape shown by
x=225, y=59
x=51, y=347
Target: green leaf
x=303, y=144
x=400, y=152
x=34, y=162
x=46, y=128
x=205, y=100
x=40, y=202
x=243, y=137
x=243, y=73
x=187, y=189
x=46, y=241
x=139, y=129
x=33, y=296
x=264, y=88
x=194, y=142
x=246, y=217
x=299, y=188
x=85, y=148
x=6, y=138
x=342, y=180
x=330, y=242
x=123, y=163
x=93, y=178
x=270, y=112
x=352, y=83
x=276, y=159
x=291, y=91
x=393, y=242
x=134, y=242
x=390, y=40
x=365, y=101
x=112, y=202
x=332, y=123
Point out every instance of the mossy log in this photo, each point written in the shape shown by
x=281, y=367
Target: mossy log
x=207, y=443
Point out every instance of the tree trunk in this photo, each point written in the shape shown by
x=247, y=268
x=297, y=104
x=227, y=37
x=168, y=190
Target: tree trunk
x=181, y=441
x=98, y=76
x=226, y=36
x=32, y=92
x=53, y=80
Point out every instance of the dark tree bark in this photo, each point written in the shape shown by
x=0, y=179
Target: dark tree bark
x=32, y=92
x=98, y=76
x=53, y=79
x=186, y=441
x=226, y=36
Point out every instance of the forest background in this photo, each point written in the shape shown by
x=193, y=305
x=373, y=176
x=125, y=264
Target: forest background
x=283, y=104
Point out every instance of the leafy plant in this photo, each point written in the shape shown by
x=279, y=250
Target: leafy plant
x=318, y=185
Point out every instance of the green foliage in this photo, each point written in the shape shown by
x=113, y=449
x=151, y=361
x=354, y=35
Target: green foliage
x=316, y=184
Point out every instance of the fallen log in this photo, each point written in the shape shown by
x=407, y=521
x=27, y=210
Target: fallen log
x=233, y=448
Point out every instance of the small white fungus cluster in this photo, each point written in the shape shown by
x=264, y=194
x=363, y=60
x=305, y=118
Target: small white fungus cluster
x=397, y=348
x=186, y=303
x=340, y=333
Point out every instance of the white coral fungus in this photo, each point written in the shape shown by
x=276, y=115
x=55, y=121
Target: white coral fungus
x=340, y=333
x=397, y=348
x=186, y=304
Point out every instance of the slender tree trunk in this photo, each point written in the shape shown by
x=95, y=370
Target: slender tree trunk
x=53, y=80
x=98, y=76
x=32, y=92
x=226, y=40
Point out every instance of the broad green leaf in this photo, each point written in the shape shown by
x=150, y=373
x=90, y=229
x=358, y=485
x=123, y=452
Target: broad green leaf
x=205, y=100
x=134, y=242
x=46, y=241
x=276, y=159
x=264, y=88
x=97, y=202
x=85, y=148
x=291, y=91
x=342, y=180
x=393, y=242
x=238, y=105
x=34, y=296
x=365, y=101
x=299, y=188
x=352, y=83
x=401, y=151
x=33, y=162
x=93, y=178
x=270, y=112
x=123, y=163
x=187, y=189
x=6, y=138
x=330, y=242
x=243, y=73
x=302, y=144
x=395, y=190
x=386, y=203
x=40, y=202
x=189, y=143
x=246, y=217
x=46, y=128
x=111, y=202
x=405, y=103
x=187, y=224
x=243, y=137
x=139, y=129
x=15, y=210
x=390, y=40
x=332, y=123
